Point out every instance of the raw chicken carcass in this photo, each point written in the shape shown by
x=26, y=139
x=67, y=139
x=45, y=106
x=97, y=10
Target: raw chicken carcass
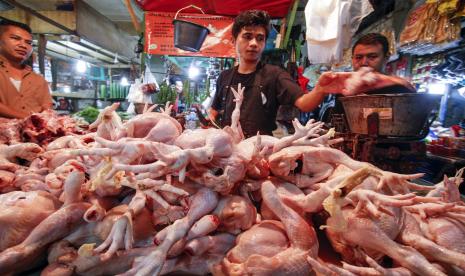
x=436, y=229
x=306, y=165
x=370, y=229
x=7, y=181
x=71, y=141
x=221, y=174
x=273, y=247
x=28, y=253
x=21, y=213
x=10, y=131
x=202, y=203
x=214, y=142
x=9, y=155
x=57, y=225
x=236, y=214
x=152, y=126
x=257, y=149
x=108, y=123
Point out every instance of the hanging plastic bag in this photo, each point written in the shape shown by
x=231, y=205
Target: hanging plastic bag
x=136, y=93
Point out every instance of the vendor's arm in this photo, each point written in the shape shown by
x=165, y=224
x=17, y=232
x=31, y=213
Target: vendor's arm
x=348, y=84
x=394, y=80
x=8, y=112
x=328, y=83
x=366, y=80
x=311, y=100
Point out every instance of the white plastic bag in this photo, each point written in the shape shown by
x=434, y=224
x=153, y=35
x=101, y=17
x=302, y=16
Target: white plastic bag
x=136, y=95
x=330, y=25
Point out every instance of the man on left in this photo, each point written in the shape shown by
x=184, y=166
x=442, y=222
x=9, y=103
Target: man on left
x=22, y=91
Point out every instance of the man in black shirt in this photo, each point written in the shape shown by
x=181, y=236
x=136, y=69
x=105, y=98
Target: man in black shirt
x=266, y=86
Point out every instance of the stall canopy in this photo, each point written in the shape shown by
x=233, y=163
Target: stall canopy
x=276, y=8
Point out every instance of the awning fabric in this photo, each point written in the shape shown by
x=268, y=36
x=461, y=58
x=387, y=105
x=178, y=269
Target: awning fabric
x=276, y=8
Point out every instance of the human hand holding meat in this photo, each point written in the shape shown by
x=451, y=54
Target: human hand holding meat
x=332, y=82
x=354, y=83
x=348, y=83
x=366, y=79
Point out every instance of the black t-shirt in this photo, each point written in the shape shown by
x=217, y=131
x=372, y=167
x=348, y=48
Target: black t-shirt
x=265, y=90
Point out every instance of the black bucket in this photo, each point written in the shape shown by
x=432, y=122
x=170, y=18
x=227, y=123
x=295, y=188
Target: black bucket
x=189, y=36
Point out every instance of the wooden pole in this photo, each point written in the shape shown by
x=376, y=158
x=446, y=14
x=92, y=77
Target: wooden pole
x=134, y=20
x=41, y=53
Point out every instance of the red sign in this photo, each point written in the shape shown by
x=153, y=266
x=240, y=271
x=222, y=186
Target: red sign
x=276, y=8
x=159, y=34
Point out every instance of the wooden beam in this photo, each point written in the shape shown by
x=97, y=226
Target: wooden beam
x=63, y=18
x=41, y=16
x=134, y=19
x=54, y=71
x=41, y=51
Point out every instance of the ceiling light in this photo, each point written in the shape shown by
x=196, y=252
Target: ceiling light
x=124, y=81
x=81, y=66
x=193, y=72
x=438, y=88
x=462, y=91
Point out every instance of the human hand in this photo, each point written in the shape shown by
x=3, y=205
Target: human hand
x=360, y=81
x=332, y=82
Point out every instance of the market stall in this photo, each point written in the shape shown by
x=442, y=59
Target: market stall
x=137, y=178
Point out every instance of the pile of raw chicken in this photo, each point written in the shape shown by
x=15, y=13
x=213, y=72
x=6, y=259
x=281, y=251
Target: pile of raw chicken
x=144, y=197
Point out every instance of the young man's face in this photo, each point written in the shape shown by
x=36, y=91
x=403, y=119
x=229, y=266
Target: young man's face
x=15, y=43
x=250, y=43
x=370, y=55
